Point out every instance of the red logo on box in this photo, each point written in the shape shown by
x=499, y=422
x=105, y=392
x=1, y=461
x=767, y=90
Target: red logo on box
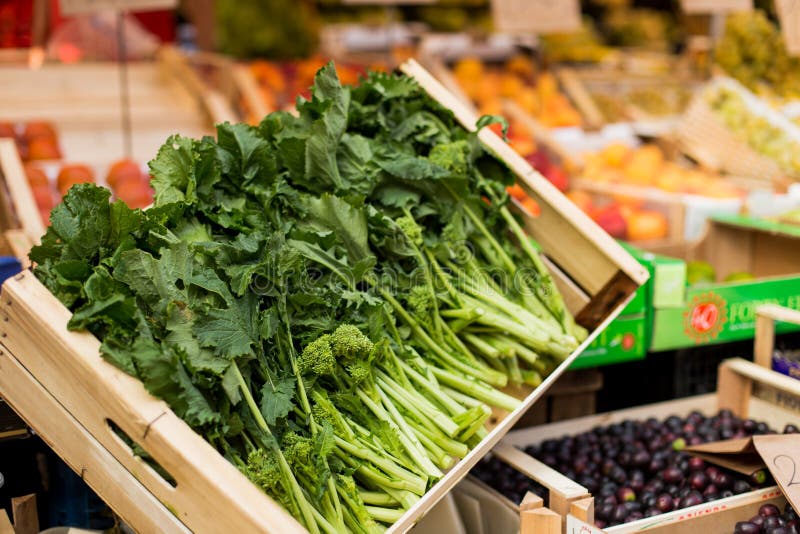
x=704, y=318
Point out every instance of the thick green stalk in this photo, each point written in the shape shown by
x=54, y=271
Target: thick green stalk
x=443, y=277
x=432, y=388
x=481, y=346
x=378, y=498
x=477, y=390
x=486, y=374
x=385, y=515
x=449, y=445
x=306, y=509
x=416, y=404
x=415, y=450
x=414, y=483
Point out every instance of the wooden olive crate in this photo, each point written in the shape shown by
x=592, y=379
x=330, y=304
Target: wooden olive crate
x=82, y=100
x=80, y=399
x=746, y=388
x=719, y=517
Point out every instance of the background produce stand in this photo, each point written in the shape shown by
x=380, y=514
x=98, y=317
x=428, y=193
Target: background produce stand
x=595, y=274
x=83, y=102
x=746, y=388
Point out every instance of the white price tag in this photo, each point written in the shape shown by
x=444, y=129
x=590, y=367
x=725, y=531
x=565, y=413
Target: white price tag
x=536, y=16
x=576, y=526
x=789, y=17
x=696, y=7
x=77, y=7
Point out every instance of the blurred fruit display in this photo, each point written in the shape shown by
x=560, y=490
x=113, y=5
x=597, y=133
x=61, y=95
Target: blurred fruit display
x=521, y=80
x=583, y=46
x=648, y=166
x=772, y=137
x=50, y=181
x=281, y=83
x=35, y=140
x=752, y=51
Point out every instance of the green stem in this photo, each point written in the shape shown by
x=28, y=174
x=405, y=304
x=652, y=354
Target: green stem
x=385, y=515
x=306, y=510
x=415, y=450
x=417, y=404
x=486, y=374
x=477, y=390
x=414, y=483
x=378, y=498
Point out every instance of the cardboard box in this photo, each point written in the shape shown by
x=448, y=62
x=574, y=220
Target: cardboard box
x=725, y=311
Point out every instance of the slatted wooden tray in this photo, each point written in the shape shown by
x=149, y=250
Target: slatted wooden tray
x=90, y=396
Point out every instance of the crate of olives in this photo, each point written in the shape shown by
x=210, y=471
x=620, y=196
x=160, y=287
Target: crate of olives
x=633, y=463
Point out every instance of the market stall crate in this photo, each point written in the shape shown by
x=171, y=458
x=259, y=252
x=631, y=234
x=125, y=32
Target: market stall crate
x=650, y=101
x=746, y=388
x=83, y=405
x=762, y=258
x=82, y=100
x=704, y=134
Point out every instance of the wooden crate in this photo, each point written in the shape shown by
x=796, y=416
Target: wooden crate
x=83, y=101
x=705, y=137
x=713, y=518
x=746, y=388
x=90, y=395
x=586, y=85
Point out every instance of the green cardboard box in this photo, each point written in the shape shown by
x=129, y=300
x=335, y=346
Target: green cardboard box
x=724, y=311
x=628, y=336
x=624, y=340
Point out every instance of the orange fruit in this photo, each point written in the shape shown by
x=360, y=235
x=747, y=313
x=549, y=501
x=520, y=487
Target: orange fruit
x=34, y=129
x=516, y=191
x=647, y=225
x=70, y=175
x=135, y=192
x=532, y=207
x=36, y=176
x=124, y=169
x=43, y=196
x=43, y=148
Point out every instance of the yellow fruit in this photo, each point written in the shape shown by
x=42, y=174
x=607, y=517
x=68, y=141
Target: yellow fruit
x=644, y=165
x=615, y=154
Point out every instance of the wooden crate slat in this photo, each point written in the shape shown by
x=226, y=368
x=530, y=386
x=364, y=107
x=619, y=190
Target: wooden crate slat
x=210, y=490
x=84, y=454
x=20, y=195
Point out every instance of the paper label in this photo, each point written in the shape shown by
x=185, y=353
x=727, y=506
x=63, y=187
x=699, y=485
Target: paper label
x=576, y=526
x=781, y=455
x=789, y=17
x=696, y=7
x=536, y=16
x=77, y=7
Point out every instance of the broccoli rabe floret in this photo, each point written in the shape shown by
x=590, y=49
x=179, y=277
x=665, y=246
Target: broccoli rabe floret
x=420, y=301
x=410, y=227
x=350, y=344
x=318, y=357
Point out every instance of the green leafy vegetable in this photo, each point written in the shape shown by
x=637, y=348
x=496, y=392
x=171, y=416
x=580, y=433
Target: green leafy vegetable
x=331, y=299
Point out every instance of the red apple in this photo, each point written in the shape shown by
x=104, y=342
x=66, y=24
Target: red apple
x=611, y=220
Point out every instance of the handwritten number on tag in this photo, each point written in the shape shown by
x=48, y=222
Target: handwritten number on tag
x=789, y=459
